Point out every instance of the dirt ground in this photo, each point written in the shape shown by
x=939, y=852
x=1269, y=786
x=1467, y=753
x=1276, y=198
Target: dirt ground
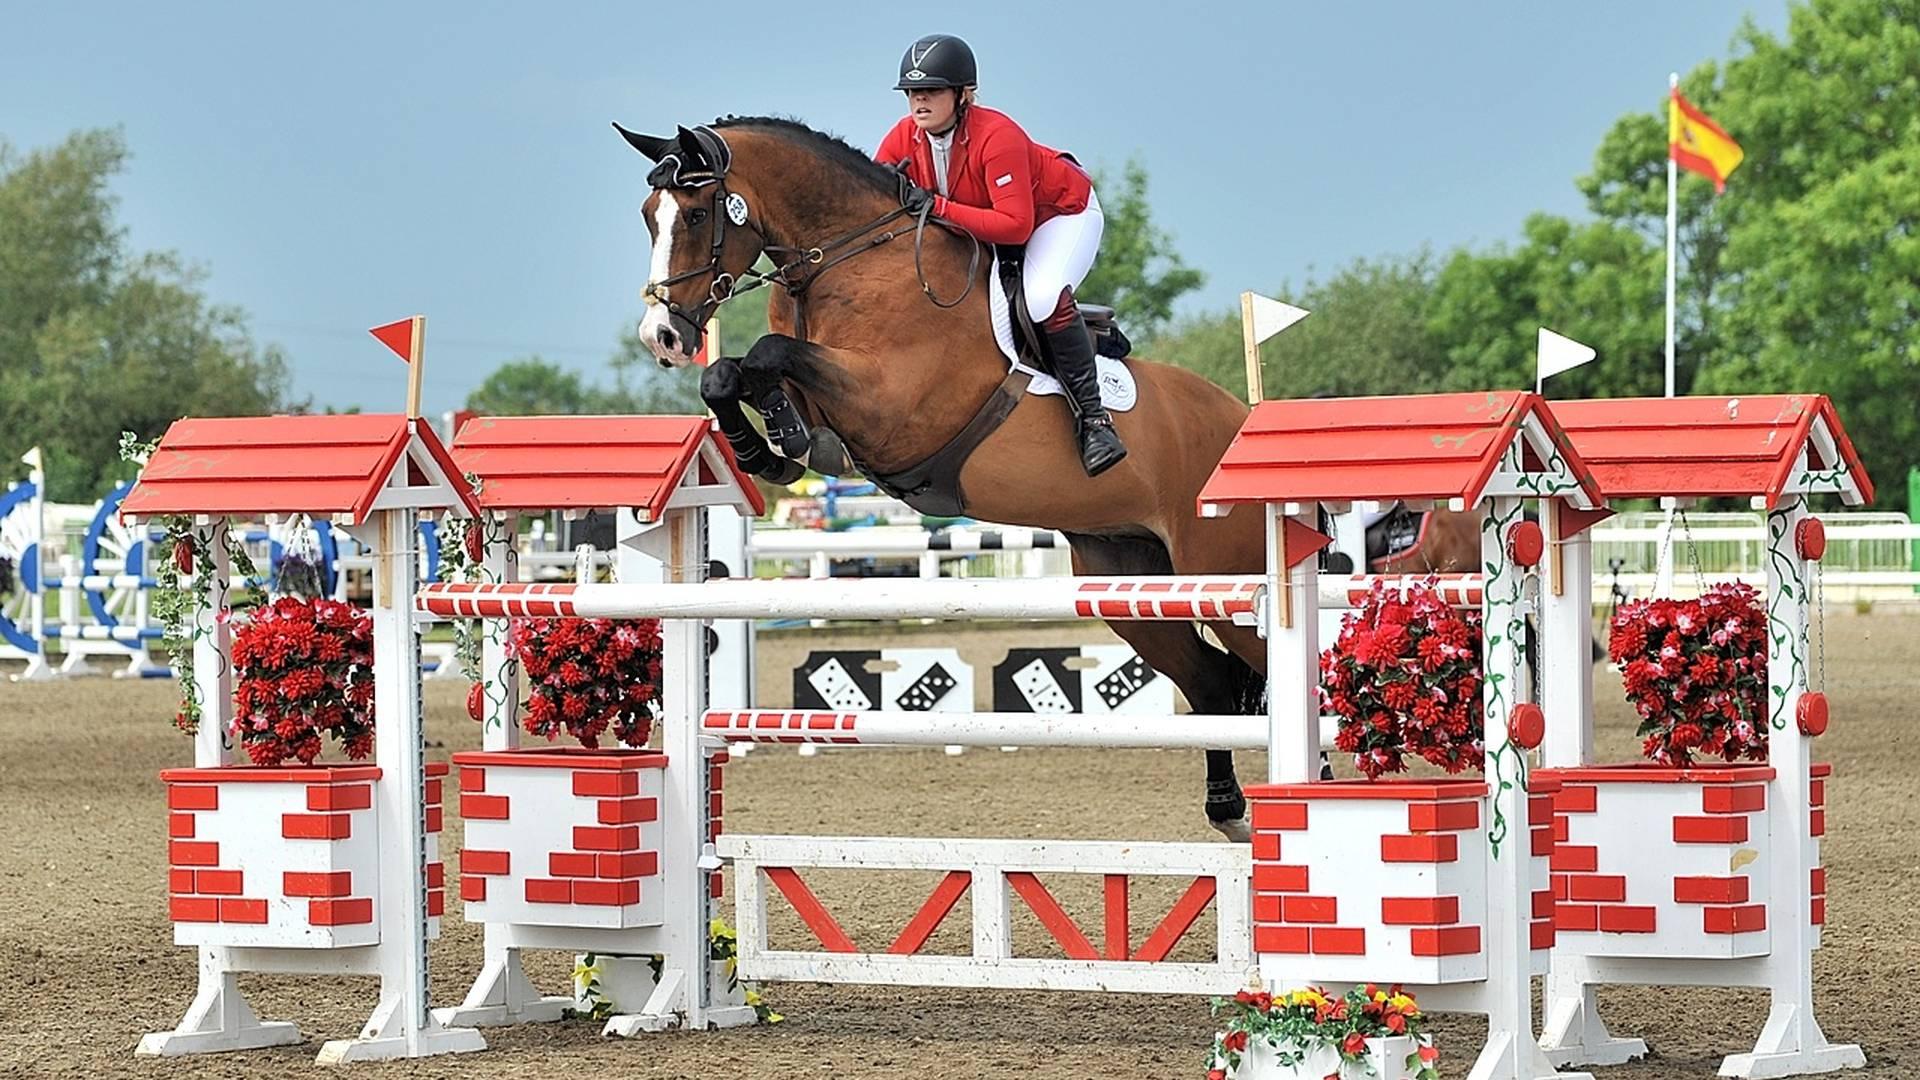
x=87, y=963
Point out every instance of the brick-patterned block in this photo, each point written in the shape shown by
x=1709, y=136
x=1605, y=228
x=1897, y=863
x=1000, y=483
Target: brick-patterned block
x=1661, y=862
x=567, y=837
x=284, y=857
x=1372, y=891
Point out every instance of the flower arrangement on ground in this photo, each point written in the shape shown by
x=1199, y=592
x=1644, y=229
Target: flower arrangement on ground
x=1404, y=680
x=1309, y=1028
x=1696, y=672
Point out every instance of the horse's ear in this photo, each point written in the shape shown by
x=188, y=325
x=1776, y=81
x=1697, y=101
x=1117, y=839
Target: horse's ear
x=694, y=150
x=653, y=146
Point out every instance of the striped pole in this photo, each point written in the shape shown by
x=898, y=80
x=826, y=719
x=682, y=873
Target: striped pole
x=1114, y=731
x=1458, y=590
x=1166, y=599
x=1178, y=599
x=868, y=543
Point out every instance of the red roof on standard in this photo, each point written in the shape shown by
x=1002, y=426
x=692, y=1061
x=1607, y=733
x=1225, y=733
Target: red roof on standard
x=1642, y=448
x=589, y=462
x=319, y=465
x=1422, y=447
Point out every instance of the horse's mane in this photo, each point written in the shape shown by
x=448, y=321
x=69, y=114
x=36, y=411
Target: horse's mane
x=850, y=159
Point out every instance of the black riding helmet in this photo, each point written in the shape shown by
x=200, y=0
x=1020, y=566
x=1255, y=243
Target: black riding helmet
x=937, y=62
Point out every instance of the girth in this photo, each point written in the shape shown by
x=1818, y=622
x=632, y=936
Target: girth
x=933, y=486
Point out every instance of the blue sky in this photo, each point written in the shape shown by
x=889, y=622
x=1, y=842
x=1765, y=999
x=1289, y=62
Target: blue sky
x=334, y=166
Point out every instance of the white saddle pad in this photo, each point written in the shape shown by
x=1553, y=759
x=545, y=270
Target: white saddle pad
x=1118, y=391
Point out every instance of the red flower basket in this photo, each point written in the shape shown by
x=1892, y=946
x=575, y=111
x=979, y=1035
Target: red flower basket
x=1404, y=679
x=1696, y=672
x=588, y=677
x=303, y=669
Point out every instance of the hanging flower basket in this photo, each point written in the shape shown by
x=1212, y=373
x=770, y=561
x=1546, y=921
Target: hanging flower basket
x=1696, y=672
x=1404, y=680
x=303, y=670
x=588, y=677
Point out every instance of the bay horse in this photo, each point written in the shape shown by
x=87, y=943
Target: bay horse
x=880, y=332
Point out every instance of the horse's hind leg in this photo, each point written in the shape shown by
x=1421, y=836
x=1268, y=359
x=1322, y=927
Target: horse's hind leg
x=1215, y=683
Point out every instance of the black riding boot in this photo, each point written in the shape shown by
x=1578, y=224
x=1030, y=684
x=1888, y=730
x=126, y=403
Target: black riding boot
x=1073, y=364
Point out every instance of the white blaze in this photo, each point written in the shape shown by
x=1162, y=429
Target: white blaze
x=665, y=213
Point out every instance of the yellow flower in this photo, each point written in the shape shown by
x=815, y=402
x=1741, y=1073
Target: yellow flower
x=1379, y=995
x=584, y=974
x=753, y=997
x=1403, y=1003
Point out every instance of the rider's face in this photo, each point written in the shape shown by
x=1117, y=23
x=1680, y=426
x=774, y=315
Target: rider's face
x=933, y=110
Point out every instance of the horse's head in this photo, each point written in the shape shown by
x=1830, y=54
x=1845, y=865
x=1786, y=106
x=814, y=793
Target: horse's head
x=703, y=233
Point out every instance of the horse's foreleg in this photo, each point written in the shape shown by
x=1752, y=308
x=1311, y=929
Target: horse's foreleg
x=772, y=359
x=722, y=386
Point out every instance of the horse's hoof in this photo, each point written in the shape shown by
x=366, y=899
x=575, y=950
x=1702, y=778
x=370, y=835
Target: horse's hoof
x=1234, y=829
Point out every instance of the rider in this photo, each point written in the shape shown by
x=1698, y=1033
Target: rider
x=983, y=174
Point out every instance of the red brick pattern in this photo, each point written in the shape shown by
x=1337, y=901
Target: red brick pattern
x=1424, y=848
x=1709, y=830
x=606, y=867
x=320, y=811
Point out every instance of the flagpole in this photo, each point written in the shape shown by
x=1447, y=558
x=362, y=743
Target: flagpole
x=1663, y=575
x=1673, y=228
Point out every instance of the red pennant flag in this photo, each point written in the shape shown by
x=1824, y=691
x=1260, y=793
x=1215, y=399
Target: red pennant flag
x=397, y=336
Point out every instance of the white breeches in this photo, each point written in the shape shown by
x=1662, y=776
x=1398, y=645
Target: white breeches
x=1059, y=255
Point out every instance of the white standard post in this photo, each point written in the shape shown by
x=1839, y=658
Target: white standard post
x=39, y=665
x=685, y=995
x=502, y=994
x=401, y=1025
x=1791, y=1043
x=219, y=1018
x=1292, y=625
x=1566, y=652
x=729, y=543
x=1511, y=1053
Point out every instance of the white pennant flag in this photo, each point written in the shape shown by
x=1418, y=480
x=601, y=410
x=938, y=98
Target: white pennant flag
x=1557, y=354
x=1271, y=316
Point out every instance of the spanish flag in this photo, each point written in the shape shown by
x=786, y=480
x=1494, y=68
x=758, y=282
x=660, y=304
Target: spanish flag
x=1698, y=145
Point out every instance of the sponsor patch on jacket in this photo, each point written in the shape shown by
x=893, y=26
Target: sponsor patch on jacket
x=1004, y=180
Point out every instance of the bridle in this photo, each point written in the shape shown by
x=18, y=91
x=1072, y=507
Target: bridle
x=801, y=266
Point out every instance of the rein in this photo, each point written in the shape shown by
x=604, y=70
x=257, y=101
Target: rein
x=804, y=266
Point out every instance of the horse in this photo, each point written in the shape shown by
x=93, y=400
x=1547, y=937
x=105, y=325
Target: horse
x=880, y=332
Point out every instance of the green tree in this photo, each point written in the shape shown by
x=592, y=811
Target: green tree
x=1369, y=334
x=1138, y=272
x=531, y=386
x=97, y=340
x=1804, y=276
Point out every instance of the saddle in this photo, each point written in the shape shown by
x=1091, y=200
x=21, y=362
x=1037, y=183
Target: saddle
x=1393, y=536
x=1108, y=339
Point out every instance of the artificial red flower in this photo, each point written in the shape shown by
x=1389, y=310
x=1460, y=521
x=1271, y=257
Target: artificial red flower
x=1695, y=671
x=588, y=677
x=1403, y=680
x=302, y=668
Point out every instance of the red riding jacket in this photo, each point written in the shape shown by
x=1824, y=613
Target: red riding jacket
x=1004, y=184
